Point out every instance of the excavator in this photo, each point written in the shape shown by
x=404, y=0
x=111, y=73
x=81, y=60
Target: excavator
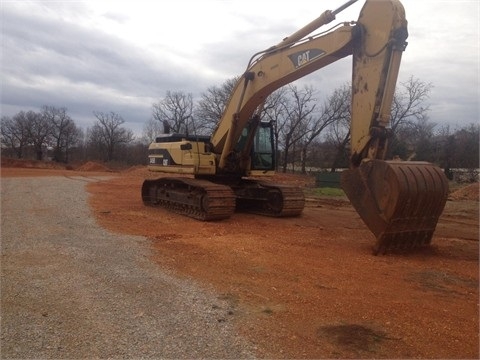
x=399, y=201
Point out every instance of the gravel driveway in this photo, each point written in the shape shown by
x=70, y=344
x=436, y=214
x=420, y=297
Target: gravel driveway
x=70, y=289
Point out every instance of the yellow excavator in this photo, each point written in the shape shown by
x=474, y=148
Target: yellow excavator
x=399, y=201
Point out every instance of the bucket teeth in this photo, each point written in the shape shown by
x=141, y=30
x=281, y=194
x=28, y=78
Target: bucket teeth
x=400, y=202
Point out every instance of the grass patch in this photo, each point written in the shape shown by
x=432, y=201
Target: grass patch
x=324, y=191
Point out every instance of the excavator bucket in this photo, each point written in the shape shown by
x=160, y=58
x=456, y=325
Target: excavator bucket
x=399, y=201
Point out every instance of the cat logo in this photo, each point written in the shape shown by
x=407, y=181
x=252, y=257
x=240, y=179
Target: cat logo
x=304, y=57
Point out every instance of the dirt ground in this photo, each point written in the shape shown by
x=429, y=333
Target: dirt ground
x=309, y=287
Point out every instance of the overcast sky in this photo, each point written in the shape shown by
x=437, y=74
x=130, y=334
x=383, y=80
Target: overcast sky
x=122, y=56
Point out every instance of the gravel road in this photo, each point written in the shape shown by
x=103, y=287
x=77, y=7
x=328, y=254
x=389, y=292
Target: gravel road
x=70, y=289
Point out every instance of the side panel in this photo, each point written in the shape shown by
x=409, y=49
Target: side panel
x=184, y=157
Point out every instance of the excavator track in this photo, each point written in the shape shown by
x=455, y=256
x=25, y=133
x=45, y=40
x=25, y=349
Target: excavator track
x=400, y=202
x=199, y=199
x=265, y=198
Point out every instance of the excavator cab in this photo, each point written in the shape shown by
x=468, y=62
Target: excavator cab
x=263, y=150
x=258, y=136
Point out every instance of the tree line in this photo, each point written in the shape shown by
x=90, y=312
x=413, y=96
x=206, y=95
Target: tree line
x=35, y=131
x=313, y=134
x=309, y=133
x=52, y=134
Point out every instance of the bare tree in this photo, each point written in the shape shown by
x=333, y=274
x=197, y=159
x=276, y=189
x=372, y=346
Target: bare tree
x=419, y=137
x=151, y=129
x=409, y=104
x=107, y=133
x=408, y=115
x=64, y=131
x=445, y=150
x=39, y=131
x=339, y=130
x=72, y=136
x=467, y=146
x=14, y=134
x=211, y=106
x=458, y=150
x=175, y=112
x=334, y=110
x=298, y=109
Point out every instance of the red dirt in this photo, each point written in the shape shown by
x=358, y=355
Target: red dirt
x=33, y=164
x=93, y=166
x=309, y=287
x=469, y=192
x=21, y=167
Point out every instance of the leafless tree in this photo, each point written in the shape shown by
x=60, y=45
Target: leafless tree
x=458, y=149
x=14, y=133
x=72, y=136
x=339, y=130
x=39, y=131
x=335, y=109
x=467, y=146
x=211, y=106
x=151, y=129
x=65, y=133
x=175, y=112
x=298, y=110
x=409, y=105
x=107, y=133
x=409, y=119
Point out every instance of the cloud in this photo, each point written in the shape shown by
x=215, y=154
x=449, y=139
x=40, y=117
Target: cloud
x=48, y=60
x=444, y=50
x=123, y=56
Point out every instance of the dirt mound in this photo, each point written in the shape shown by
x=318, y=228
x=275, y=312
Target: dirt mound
x=93, y=166
x=469, y=192
x=35, y=164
